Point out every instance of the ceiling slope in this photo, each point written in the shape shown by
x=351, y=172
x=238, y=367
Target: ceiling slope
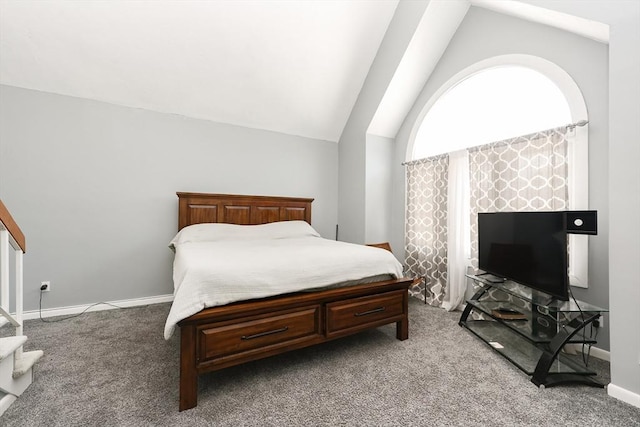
x=436, y=29
x=284, y=66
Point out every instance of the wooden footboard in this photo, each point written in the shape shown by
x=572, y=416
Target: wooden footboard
x=229, y=335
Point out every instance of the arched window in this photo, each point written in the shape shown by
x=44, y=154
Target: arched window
x=491, y=105
x=506, y=97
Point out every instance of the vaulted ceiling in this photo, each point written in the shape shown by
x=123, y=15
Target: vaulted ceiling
x=294, y=67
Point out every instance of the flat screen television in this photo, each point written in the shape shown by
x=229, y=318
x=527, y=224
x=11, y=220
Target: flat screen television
x=529, y=248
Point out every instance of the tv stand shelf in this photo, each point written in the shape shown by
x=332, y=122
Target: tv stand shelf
x=535, y=342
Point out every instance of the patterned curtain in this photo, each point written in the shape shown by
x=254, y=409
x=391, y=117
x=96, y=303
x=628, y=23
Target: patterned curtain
x=426, y=226
x=520, y=174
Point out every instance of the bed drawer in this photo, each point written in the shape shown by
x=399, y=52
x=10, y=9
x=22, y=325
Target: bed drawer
x=275, y=330
x=361, y=313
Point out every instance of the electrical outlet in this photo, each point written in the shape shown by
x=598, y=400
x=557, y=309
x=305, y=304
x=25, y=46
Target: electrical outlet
x=45, y=286
x=599, y=322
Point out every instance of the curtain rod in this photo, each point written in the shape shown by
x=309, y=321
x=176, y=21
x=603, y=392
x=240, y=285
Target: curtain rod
x=569, y=126
x=578, y=123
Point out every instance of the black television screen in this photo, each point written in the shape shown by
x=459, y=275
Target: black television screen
x=527, y=247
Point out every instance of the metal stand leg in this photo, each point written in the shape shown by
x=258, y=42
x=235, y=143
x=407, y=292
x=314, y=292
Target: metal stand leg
x=541, y=375
x=424, y=281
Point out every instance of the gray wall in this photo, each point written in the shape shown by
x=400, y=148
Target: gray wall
x=624, y=183
x=379, y=155
x=484, y=34
x=352, y=145
x=93, y=186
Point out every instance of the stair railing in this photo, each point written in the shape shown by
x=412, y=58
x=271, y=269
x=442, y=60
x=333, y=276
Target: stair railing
x=11, y=236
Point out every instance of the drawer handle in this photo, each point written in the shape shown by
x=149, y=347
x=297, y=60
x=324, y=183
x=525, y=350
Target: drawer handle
x=263, y=334
x=375, y=310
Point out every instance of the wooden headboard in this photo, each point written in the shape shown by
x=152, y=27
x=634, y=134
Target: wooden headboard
x=196, y=208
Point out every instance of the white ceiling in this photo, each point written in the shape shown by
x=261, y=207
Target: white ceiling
x=435, y=30
x=286, y=66
x=294, y=67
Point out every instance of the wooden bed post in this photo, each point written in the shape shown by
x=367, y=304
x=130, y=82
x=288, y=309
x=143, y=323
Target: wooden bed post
x=402, y=326
x=188, y=371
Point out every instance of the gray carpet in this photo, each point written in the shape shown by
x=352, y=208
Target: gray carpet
x=113, y=368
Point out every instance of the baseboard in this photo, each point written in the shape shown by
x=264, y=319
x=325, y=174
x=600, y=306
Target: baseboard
x=76, y=309
x=601, y=354
x=623, y=394
x=595, y=351
x=5, y=402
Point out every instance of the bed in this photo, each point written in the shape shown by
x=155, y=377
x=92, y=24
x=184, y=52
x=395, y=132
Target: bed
x=220, y=336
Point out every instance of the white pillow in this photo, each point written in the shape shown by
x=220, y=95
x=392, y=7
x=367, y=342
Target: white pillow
x=215, y=232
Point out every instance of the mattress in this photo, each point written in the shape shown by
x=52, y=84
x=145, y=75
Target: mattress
x=217, y=264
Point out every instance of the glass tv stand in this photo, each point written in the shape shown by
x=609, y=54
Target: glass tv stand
x=530, y=329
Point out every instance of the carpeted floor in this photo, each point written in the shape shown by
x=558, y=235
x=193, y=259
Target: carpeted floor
x=113, y=368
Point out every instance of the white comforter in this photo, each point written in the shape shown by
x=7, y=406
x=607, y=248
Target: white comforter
x=213, y=273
